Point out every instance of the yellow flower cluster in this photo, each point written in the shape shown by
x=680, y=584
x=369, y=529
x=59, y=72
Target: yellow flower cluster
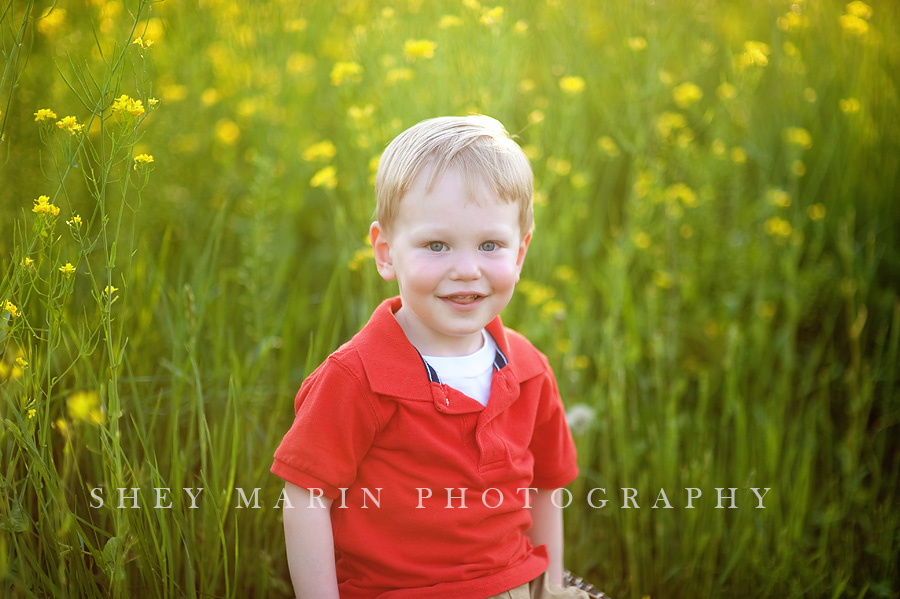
x=850, y=105
x=125, y=104
x=448, y=21
x=327, y=178
x=686, y=94
x=44, y=114
x=816, y=211
x=855, y=20
x=42, y=205
x=637, y=43
x=51, y=21
x=71, y=124
x=68, y=270
x=414, y=49
x=755, y=53
x=492, y=16
x=609, y=146
x=346, y=72
x=681, y=192
x=11, y=308
x=778, y=227
x=572, y=85
x=322, y=151
x=798, y=136
x=142, y=160
x=84, y=406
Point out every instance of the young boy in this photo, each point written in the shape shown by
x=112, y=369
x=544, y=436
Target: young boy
x=425, y=451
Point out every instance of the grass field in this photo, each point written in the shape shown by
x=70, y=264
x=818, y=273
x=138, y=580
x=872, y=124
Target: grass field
x=185, y=190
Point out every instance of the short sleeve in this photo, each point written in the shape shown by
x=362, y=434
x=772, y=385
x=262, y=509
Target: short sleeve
x=555, y=458
x=335, y=422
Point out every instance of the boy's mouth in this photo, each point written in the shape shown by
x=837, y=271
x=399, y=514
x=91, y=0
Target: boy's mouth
x=466, y=298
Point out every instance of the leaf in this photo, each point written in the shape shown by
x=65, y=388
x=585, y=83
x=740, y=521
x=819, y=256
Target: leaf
x=17, y=520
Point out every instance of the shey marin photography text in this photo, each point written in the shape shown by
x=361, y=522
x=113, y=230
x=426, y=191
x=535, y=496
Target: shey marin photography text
x=446, y=498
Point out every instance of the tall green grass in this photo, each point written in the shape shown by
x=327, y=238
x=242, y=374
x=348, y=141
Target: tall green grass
x=713, y=275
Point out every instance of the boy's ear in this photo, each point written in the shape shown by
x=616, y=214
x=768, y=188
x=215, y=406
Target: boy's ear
x=520, y=258
x=381, y=246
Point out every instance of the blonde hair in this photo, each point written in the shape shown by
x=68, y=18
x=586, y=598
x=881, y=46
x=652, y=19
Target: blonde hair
x=478, y=147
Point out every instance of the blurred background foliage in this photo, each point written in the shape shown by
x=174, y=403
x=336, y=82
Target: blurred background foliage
x=714, y=274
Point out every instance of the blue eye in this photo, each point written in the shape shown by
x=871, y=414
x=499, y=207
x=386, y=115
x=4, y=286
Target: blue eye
x=488, y=246
x=436, y=246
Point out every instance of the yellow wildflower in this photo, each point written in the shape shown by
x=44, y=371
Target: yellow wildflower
x=27, y=262
x=641, y=240
x=850, y=105
x=816, y=211
x=109, y=289
x=755, y=53
x=492, y=16
x=51, y=21
x=608, y=145
x=227, y=131
x=791, y=21
x=75, y=222
x=778, y=227
x=361, y=115
x=560, y=166
x=778, y=197
x=295, y=25
x=42, y=205
x=572, y=85
x=536, y=116
x=68, y=270
x=84, y=406
x=44, y=114
x=798, y=136
x=22, y=362
x=669, y=122
x=718, y=147
x=726, y=91
x=396, y=75
x=126, y=104
x=686, y=94
x=322, y=151
x=346, y=72
x=859, y=9
x=853, y=24
x=738, y=155
x=637, y=43
x=414, y=49
x=361, y=257
x=662, y=279
x=142, y=160
x=11, y=308
x=31, y=412
x=680, y=191
x=327, y=178
x=448, y=21
x=299, y=63
x=71, y=124
x=521, y=27
x=798, y=168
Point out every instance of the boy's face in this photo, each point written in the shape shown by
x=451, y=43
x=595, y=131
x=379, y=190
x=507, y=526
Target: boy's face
x=456, y=262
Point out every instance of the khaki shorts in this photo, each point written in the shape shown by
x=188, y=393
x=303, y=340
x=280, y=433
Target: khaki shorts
x=539, y=588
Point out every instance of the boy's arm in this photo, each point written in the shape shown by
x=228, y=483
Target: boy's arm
x=310, y=544
x=547, y=529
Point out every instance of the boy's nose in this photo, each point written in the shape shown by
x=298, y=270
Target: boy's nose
x=465, y=267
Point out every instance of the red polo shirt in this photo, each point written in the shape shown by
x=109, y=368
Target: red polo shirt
x=373, y=417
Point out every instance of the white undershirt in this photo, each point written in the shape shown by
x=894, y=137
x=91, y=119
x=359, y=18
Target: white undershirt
x=469, y=374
